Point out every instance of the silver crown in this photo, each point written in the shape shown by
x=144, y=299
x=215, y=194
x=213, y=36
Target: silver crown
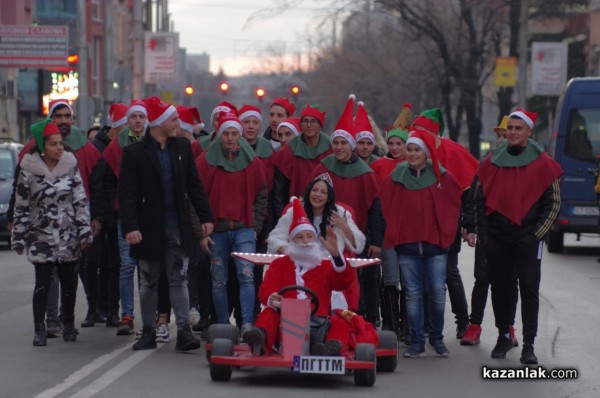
x=325, y=177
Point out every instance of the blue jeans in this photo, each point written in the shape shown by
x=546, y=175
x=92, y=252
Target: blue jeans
x=126, y=272
x=240, y=240
x=428, y=272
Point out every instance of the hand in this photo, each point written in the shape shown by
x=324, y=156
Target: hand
x=331, y=243
x=207, y=228
x=96, y=227
x=19, y=250
x=335, y=220
x=134, y=237
x=374, y=252
x=463, y=234
x=9, y=227
x=274, y=301
x=206, y=243
x=471, y=239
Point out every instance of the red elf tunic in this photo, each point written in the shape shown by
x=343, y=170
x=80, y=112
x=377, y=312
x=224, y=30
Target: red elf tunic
x=384, y=166
x=458, y=161
x=264, y=151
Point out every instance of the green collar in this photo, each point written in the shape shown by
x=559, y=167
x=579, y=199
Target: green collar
x=501, y=158
x=346, y=170
x=402, y=175
x=76, y=139
x=263, y=148
x=205, y=141
x=126, y=137
x=216, y=158
x=299, y=147
x=372, y=158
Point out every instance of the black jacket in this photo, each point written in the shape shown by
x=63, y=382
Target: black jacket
x=141, y=200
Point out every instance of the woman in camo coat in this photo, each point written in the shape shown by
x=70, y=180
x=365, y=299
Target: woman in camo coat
x=51, y=223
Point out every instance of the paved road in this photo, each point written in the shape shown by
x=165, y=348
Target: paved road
x=101, y=364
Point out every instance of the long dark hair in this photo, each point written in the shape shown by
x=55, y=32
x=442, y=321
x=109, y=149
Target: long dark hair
x=329, y=205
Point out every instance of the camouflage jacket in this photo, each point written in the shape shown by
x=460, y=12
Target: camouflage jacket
x=51, y=218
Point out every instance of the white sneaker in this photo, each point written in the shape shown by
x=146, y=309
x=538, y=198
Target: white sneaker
x=193, y=317
x=162, y=333
x=138, y=334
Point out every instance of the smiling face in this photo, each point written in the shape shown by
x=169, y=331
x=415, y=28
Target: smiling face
x=318, y=195
x=63, y=118
x=53, y=147
x=364, y=148
x=517, y=132
x=230, y=139
x=397, y=147
x=252, y=126
x=415, y=156
x=341, y=149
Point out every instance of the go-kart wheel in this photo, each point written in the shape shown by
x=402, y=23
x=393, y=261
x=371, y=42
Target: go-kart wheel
x=387, y=339
x=223, y=347
x=364, y=377
x=216, y=331
x=313, y=296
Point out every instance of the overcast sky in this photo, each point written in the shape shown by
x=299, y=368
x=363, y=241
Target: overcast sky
x=217, y=27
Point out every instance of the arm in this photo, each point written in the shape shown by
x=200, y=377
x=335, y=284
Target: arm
x=98, y=205
x=21, y=213
x=82, y=215
x=354, y=239
x=11, y=202
x=281, y=192
x=196, y=190
x=109, y=188
x=480, y=226
x=278, y=238
x=127, y=192
x=549, y=207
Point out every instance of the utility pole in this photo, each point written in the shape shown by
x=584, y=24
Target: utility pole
x=138, y=49
x=84, y=103
x=523, y=35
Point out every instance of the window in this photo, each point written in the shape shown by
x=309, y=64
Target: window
x=96, y=10
x=96, y=61
x=582, y=140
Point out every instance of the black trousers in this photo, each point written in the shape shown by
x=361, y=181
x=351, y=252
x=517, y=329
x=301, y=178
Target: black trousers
x=511, y=262
x=199, y=284
x=454, y=283
x=369, y=279
x=67, y=276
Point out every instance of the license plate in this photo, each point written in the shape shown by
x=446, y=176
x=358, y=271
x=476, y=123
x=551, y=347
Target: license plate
x=320, y=365
x=586, y=211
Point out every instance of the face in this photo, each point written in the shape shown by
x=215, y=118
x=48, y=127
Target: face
x=137, y=123
x=252, y=126
x=341, y=149
x=310, y=126
x=230, y=139
x=53, y=147
x=63, y=118
x=517, y=132
x=277, y=114
x=304, y=237
x=415, y=156
x=364, y=148
x=285, y=135
x=397, y=147
x=318, y=195
x=170, y=126
x=500, y=136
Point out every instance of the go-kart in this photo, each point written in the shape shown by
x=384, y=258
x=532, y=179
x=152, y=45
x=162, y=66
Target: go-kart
x=224, y=350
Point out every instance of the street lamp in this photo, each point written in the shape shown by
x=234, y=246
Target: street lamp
x=224, y=87
x=260, y=93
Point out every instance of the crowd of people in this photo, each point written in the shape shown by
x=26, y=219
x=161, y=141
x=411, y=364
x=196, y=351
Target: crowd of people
x=154, y=191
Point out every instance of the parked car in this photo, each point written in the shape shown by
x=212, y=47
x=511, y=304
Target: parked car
x=9, y=154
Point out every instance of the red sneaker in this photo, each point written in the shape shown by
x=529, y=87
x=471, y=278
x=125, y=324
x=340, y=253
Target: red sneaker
x=472, y=335
x=126, y=326
x=513, y=336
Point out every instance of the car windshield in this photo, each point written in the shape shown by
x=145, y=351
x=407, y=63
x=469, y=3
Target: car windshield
x=6, y=164
x=583, y=135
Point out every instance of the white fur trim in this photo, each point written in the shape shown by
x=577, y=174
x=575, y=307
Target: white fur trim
x=289, y=126
x=302, y=227
x=250, y=113
x=217, y=110
x=420, y=143
x=137, y=108
x=119, y=123
x=186, y=126
x=345, y=135
x=352, y=97
x=523, y=117
x=365, y=134
x=51, y=110
x=163, y=117
x=227, y=124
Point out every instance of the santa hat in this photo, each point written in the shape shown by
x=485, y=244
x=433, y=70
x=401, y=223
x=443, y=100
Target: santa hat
x=226, y=120
x=158, y=111
x=249, y=110
x=117, y=114
x=58, y=103
x=137, y=106
x=285, y=103
x=345, y=126
x=41, y=130
x=300, y=221
x=293, y=123
x=431, y=119
x=188, y=117
x=222, y=106
x=397, y=132
x=404, y=118
x=362, y=125
x=426, y=142
x=528, y=117
x=314, y=111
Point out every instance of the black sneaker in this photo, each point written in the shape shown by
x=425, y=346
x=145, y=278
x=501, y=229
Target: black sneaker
x=147, y=341
x=528, y=356
x=202, y=325
x=113, y=321
x=461, y=330
x=90, y=319
x=503, y=345
x=69, y=334
x=255, y=338
x=186, y=340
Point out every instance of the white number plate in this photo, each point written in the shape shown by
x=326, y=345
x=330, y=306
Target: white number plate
x=321, y=365
x=585, y=211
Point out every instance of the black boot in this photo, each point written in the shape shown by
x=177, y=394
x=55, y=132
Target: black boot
x=70, y=334
x=148, y=339
x=185, y=340
x=503, y=345
x=112, y=320
x=527, y=355
x=390, y=309
x=39, y=339
x=90, y=319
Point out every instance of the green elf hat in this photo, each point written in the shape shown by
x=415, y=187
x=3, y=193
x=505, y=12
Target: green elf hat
x=431, y=119
x=41, y=130
x=397, y=132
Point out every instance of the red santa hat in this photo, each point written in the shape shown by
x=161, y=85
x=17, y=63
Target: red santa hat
x=526, y=116
x=300, y=221
x=293, y=123
x=56, y=103
x=222, y=106
x=158, y=111
x=314, y=111
x=226, y=120
x=117, y=114
x=285, y=103
x=188, y=117
x=345, y=126
x=249, y=110
x=137, y=106
x=362, y=125
x=426, y=141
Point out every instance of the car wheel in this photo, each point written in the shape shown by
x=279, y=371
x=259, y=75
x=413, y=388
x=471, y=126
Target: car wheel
x=387, y=339
x=364, y=377
x=222, y=347
x=216, y=331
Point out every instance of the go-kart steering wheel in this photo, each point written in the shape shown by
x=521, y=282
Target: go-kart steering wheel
x=313, y=296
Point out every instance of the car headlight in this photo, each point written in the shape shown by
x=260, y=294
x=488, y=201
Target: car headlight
x=3, y=208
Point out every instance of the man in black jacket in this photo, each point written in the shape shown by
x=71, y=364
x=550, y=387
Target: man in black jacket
x=158, y=180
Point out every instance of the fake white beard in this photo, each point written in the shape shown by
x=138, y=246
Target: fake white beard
x=306, y=256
